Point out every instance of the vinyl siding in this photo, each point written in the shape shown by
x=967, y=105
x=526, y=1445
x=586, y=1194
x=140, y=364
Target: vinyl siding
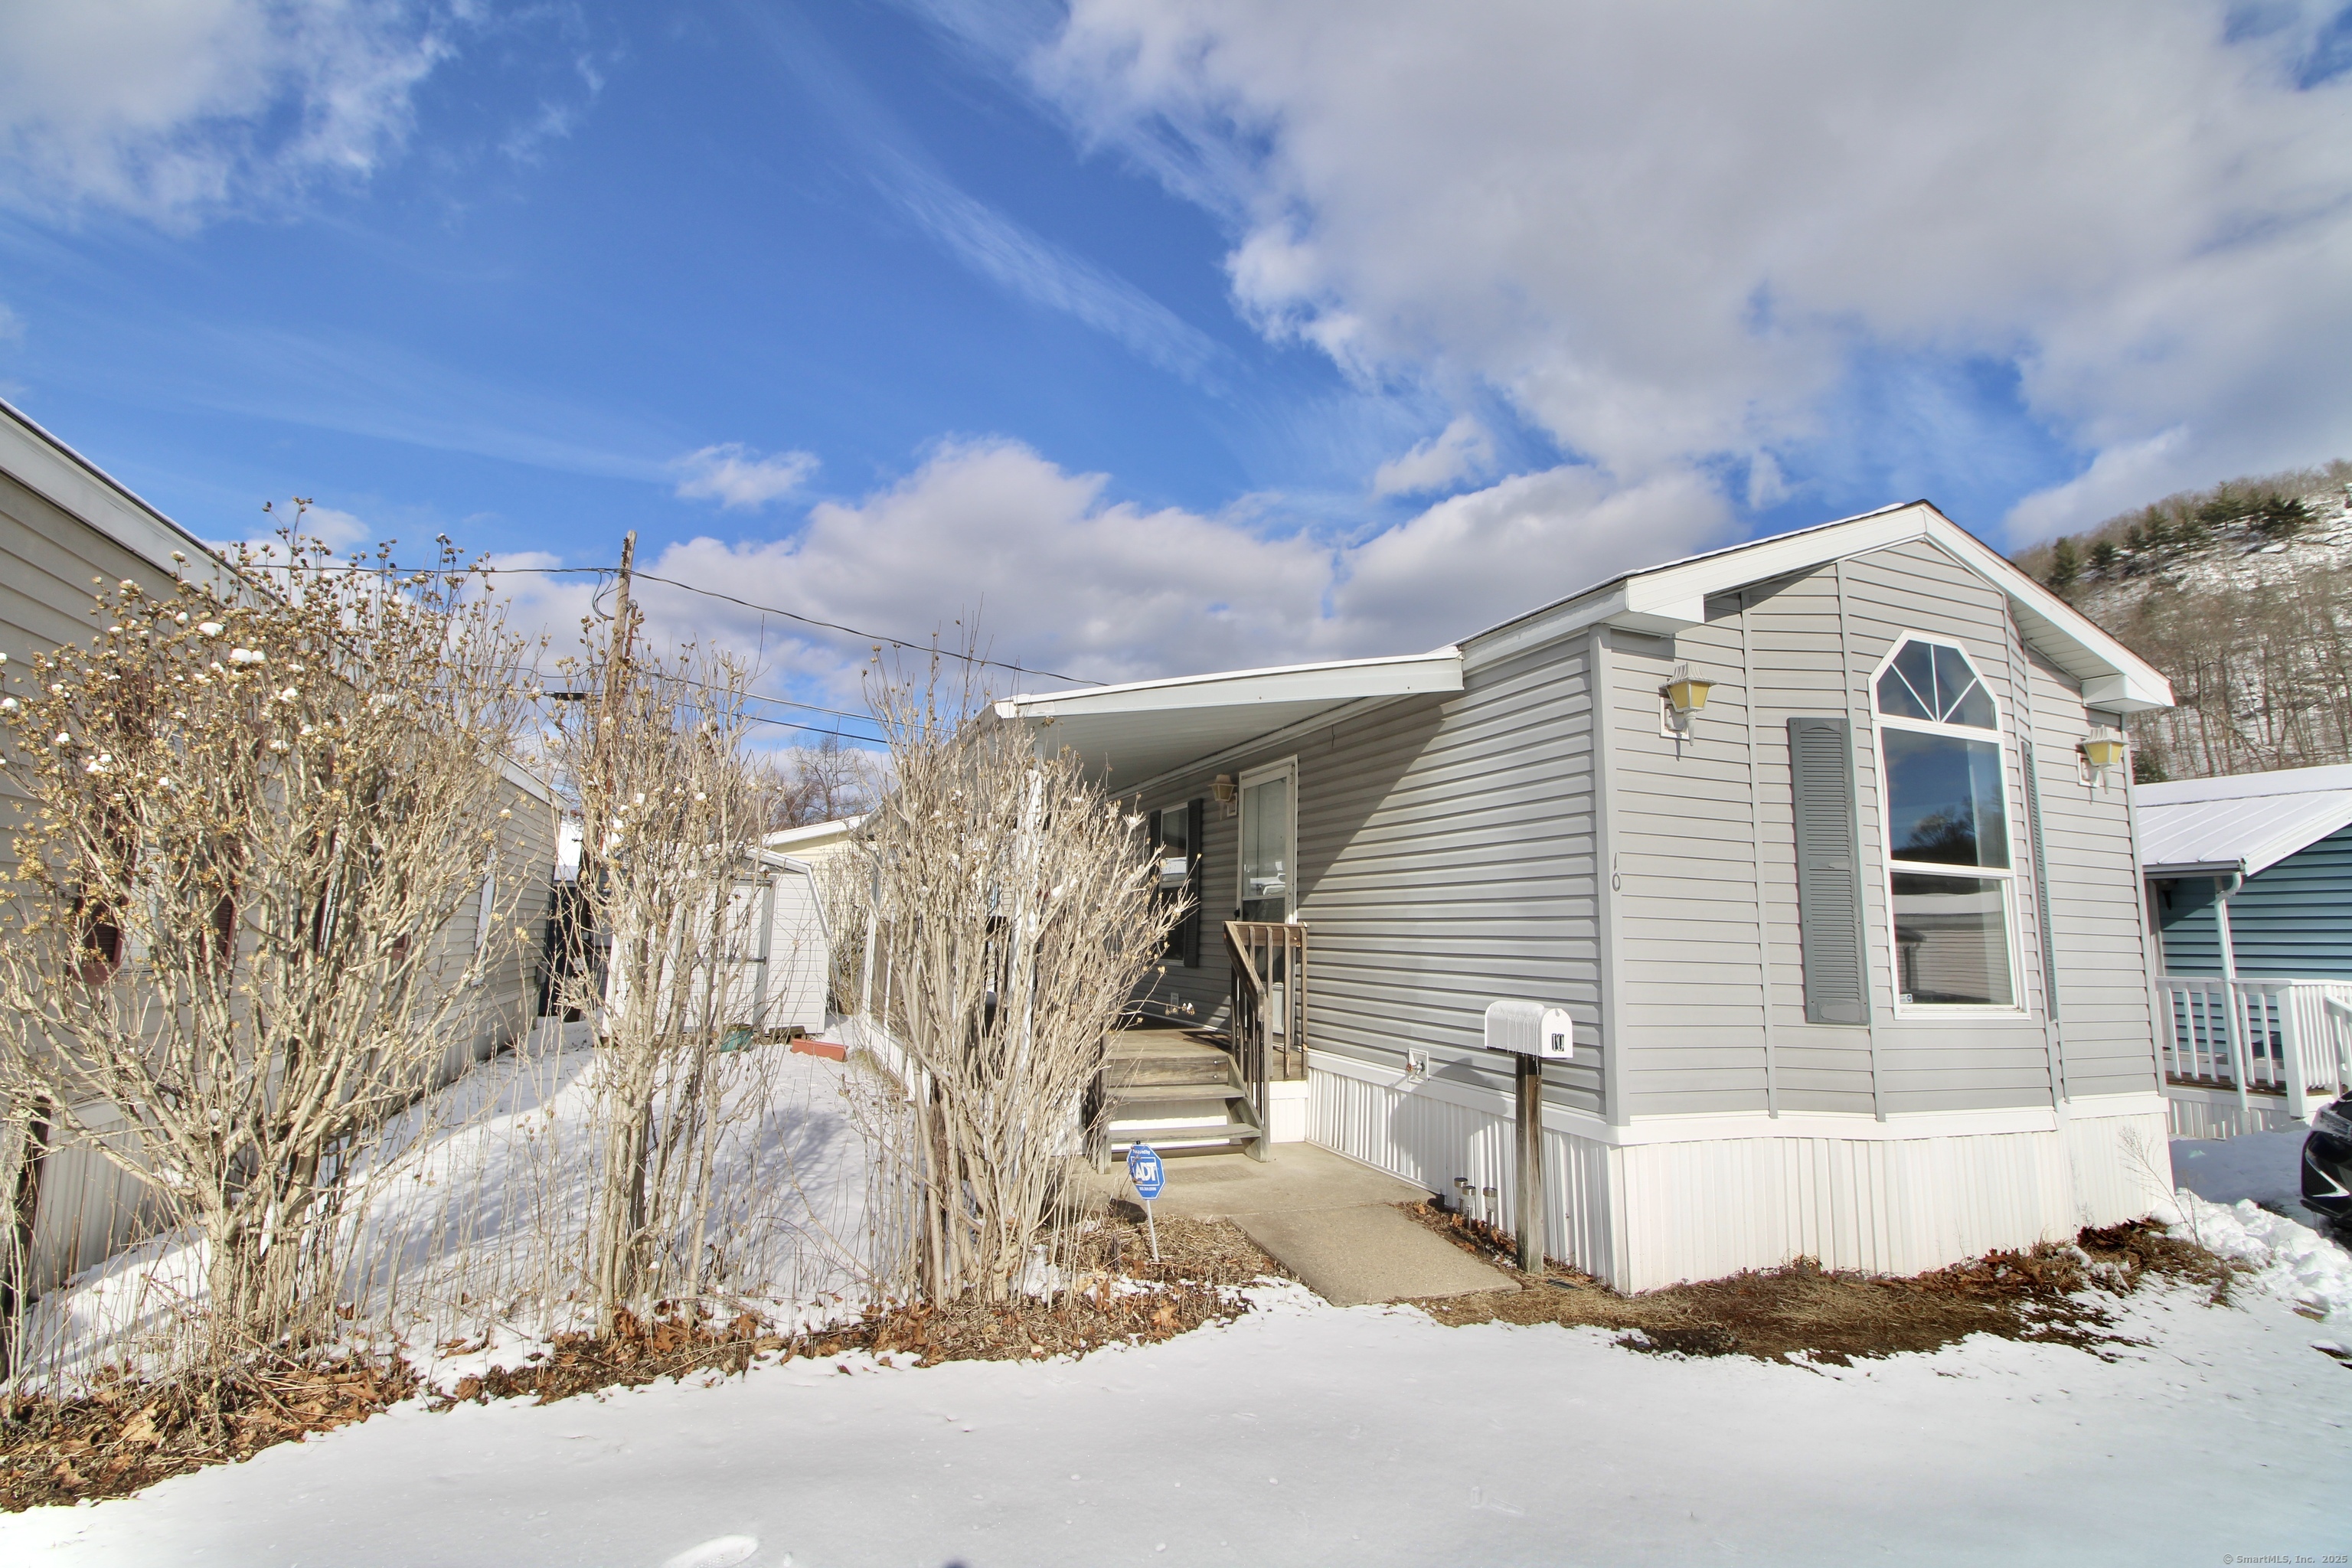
x=1707, y=908
x=1446, y=859
x=2099, y=939
x=2290, y=920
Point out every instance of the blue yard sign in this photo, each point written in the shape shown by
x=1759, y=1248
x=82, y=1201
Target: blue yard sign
x=1143, y=1169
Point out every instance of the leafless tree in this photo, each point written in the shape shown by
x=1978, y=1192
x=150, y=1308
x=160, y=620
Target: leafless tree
x=244, y=833
x=1011, y=914
x=824, y=783
x=672, y=817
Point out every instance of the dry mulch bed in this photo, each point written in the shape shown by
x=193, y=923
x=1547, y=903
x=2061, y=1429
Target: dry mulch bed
x=126, y=1434
x=1803, y=1312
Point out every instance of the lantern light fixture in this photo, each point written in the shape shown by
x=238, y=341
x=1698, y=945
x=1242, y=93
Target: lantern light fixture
x=1685, y=695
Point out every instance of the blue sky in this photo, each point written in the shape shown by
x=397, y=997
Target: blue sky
x=1156, y=337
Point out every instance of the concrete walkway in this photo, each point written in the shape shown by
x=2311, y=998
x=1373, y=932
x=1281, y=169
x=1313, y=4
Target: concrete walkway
x=1327, y=1219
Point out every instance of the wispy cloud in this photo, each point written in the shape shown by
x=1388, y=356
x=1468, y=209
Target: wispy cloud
x=1034, y=267
x=1461, y=450
x=739, y=479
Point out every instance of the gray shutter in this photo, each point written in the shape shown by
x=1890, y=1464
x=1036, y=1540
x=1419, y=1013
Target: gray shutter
x=1191, y=927
x=1829, y=871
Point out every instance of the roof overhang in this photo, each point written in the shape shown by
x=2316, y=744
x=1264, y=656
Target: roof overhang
x=1671, y=598
x=1133, y=735
x=2179, y=869
x=2245, y=822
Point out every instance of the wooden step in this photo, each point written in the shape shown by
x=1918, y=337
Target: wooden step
x=1141, y=1093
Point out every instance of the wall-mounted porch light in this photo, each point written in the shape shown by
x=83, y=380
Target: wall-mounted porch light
x=1685, y=695
x=1227, y=795
x=2102, y=752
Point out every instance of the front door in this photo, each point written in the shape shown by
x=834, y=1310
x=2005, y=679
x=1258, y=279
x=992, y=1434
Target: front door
x=1267, y=817
x=1269, y=869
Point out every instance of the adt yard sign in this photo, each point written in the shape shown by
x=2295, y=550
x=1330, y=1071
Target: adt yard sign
x=1143, y=1170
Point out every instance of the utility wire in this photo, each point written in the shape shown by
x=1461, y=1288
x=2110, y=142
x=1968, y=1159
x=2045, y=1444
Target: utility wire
x=746, y=603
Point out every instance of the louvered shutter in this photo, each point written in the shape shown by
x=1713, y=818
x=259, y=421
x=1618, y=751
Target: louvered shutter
x=1191, y=927
x=1829, y=871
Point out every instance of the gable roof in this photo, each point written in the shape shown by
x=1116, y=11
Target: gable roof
x=1673, y=597
x=2248, y=822
x=1155, y=728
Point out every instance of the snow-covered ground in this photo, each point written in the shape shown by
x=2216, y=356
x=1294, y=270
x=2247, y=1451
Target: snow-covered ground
x=1305, y=1434
x=473, y=1209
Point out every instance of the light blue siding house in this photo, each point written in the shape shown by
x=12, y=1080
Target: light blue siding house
x=2249, y=888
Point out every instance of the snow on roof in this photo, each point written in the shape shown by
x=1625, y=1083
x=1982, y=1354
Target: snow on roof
x=2253, y=820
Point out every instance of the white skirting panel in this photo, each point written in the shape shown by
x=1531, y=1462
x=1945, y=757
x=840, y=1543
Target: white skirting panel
x=2122, y=1164
x=1645, y=1207
x=1285, y=1111
x=2214, y=1114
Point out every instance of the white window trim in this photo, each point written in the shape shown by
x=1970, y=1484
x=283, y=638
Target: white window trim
x=1194, y=853
x=1947, y=1012
x=1287, y=767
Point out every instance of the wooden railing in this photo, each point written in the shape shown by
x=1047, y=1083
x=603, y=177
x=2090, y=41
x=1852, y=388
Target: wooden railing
x=2280, y=1037
x=1269, y=1007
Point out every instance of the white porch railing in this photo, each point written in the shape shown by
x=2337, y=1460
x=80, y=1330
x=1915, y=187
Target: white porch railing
x=2283, y=1036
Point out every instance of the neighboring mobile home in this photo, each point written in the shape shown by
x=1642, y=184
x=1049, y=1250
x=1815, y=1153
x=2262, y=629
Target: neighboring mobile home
x=2250, y=887
x=63, y=522
x=1822, y=840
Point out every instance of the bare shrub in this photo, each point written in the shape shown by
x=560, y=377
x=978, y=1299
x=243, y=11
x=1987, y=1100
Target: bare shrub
x=1011, y=915
x=672, y=816
x=244, y=833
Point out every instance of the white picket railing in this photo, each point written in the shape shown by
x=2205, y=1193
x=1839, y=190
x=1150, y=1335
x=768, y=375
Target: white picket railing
x=2291, y=1037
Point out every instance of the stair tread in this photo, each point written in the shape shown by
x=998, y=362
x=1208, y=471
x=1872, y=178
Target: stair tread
x=1219, y=1088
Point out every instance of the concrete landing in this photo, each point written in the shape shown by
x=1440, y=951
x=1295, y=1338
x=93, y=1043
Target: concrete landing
x=1329, y=1220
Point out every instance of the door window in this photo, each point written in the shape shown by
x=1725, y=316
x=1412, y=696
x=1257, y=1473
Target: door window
x=1267, y=851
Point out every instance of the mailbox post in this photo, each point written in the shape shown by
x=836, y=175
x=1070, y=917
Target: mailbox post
x=1533, y=1034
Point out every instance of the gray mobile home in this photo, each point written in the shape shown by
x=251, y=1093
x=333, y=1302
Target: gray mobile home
x=1824, y=841
x=64, y=522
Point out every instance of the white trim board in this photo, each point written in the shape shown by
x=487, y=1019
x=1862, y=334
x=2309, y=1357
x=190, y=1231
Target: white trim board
x=1709, y=1126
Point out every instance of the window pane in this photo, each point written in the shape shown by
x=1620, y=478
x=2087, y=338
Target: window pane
x=1909, y=682
x=1266, y=850
x=1951, y=941
x=1944, y=799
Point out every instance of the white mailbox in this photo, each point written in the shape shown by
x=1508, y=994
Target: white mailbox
x=1531, y=1029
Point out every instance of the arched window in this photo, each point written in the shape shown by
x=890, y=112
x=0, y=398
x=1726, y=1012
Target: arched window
x=1948, y=872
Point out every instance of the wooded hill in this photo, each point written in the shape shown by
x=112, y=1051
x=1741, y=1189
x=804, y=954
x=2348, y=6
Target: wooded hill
x=2240, y=593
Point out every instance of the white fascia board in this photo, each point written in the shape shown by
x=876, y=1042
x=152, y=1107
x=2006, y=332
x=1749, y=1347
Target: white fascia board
x=1341, y=681
x=1671, y=598
x=2113, y=678
x=82, y=490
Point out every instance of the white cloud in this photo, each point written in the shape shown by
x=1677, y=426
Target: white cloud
x=739, y=478
x=171, y=109
x=1045, y=274
x=1462, y=449
x=1665, y=232
x=1057, y=577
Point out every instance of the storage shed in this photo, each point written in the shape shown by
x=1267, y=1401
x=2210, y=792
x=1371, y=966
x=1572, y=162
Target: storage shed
x=1809, y=837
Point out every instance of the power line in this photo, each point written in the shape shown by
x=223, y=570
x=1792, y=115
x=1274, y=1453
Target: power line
x=746, y=603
